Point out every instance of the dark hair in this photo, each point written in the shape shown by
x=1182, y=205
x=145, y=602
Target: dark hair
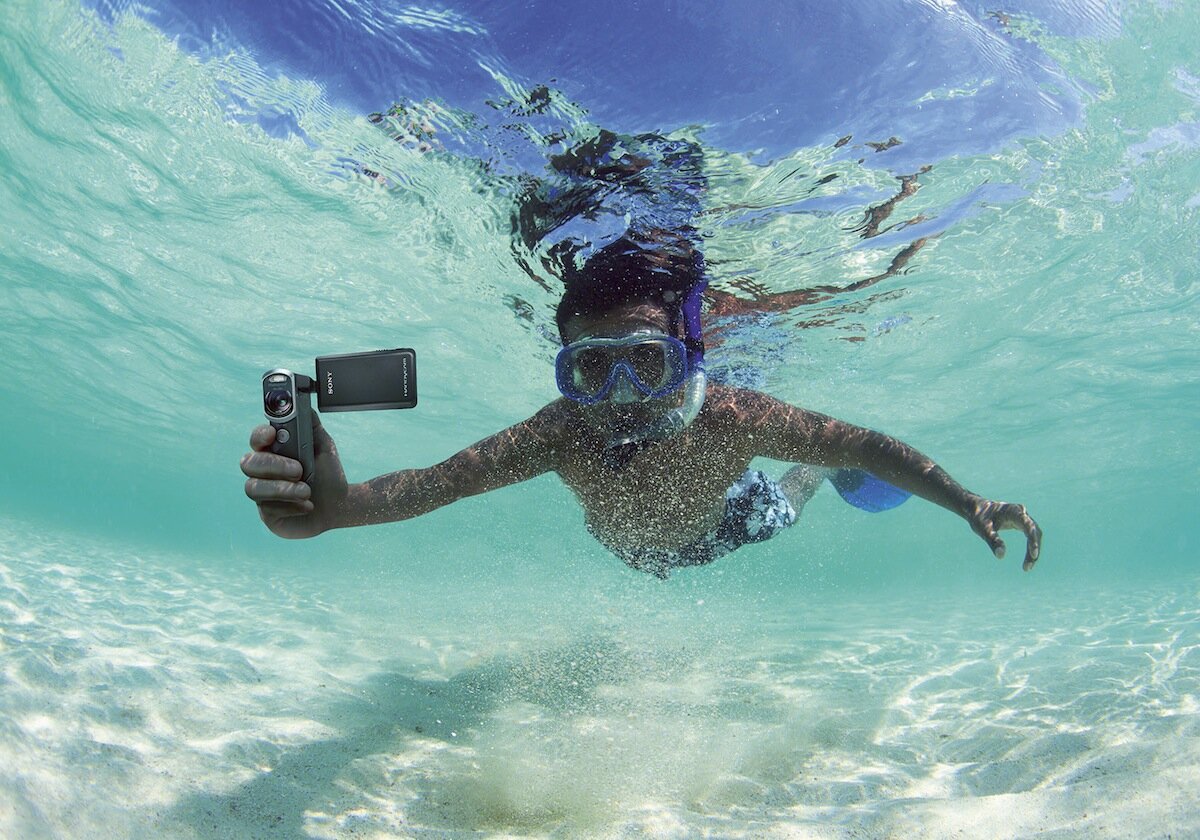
x=660, y=272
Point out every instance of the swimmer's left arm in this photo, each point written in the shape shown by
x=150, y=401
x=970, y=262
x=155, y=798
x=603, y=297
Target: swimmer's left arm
x=788, y=433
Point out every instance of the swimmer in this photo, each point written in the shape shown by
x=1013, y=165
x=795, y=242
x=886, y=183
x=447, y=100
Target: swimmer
x=658, y=457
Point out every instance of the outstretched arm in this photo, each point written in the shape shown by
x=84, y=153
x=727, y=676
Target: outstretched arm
x=296, y=509
x=788, y=433
x=515, y=454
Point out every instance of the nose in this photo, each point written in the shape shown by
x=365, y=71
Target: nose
x=623, y=391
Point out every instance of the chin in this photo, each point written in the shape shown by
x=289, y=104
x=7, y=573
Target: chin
x=625, y=418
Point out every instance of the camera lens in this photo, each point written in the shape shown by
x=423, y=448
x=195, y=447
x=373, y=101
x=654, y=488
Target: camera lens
x=278, y=402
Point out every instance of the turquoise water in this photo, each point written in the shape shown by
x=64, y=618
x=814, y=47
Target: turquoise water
x=170, y=669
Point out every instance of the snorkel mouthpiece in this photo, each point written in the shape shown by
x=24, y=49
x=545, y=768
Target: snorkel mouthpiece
x=675, y=420
x=622, y=446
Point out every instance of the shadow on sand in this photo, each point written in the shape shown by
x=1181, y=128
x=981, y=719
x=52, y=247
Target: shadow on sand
x=386, y=712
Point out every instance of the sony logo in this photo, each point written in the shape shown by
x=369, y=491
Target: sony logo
x=329, y=382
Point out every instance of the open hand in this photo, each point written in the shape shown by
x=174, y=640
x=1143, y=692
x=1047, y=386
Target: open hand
x=988, y=518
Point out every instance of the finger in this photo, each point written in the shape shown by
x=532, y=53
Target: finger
x=1016, y=516
x=993, y=540
x=261, y=490
x=1033, y=536
x=272, y=466
x=274, y=511
x=262, y=437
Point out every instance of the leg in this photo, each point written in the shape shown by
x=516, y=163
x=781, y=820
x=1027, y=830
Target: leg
x=801, y=482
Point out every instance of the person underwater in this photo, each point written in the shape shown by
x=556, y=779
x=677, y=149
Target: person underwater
x=658, y=457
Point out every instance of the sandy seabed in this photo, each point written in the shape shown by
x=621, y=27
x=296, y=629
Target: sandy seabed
x=144, y=695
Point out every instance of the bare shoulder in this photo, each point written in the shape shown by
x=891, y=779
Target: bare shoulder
x=555, y=421
x=743, y=407
x=523, y=450
x=768, y=425
x=550, y=426
x=557, y=431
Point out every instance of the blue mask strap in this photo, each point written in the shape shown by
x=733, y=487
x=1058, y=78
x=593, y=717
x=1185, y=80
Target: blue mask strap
x=692, y=337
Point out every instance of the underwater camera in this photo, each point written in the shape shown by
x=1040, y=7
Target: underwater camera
x=352, y=382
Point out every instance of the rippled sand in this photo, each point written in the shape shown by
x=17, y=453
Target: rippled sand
x=143, y=695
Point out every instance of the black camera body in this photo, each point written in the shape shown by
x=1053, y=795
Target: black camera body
x=287, y=402
x=380, y=379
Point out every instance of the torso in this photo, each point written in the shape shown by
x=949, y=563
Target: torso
x=668, y=495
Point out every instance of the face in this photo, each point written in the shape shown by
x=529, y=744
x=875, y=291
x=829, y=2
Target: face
x=619, y=321
x=616, y=323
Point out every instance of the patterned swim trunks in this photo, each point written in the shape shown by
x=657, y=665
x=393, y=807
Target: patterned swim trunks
x=755, y=510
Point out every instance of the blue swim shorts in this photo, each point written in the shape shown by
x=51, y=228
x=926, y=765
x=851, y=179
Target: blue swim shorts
x=755, y=510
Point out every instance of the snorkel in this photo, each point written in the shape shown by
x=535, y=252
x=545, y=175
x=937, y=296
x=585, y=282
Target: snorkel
x=678, y=419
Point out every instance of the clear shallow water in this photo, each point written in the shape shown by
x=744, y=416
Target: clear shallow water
x=179, y=215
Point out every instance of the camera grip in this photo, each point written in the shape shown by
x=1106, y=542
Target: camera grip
x=294, y=439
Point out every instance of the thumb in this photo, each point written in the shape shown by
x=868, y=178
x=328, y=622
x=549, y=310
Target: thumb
x=325, y=451
x=994, y=541
x=322, y=442
x=987, y=532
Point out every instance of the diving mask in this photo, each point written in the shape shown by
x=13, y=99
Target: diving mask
x=631, y=368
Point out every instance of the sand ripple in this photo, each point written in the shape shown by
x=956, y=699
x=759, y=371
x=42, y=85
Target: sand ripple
x=144, y=695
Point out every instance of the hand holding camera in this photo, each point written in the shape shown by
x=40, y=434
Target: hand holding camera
x=293, y=471
x=287, y=504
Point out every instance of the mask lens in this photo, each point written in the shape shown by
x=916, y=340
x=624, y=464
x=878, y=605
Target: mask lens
x=592, y=367
x=649, y=364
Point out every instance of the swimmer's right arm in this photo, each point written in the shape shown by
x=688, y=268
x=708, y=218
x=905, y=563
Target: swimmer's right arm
x=289, y=507
x=292, y=509
x=516, y=454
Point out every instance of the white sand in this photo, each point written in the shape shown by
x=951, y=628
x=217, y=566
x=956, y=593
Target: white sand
x=149, y=696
